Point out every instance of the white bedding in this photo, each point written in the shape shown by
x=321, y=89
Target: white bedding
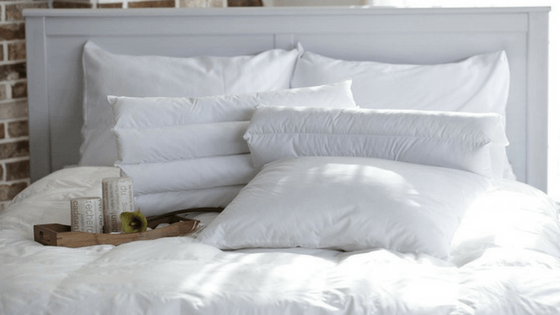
x=505, y=260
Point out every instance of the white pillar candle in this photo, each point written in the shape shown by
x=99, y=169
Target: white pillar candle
x=86, y=215
x=118, y=197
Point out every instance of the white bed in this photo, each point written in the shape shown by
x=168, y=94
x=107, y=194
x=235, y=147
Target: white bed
x=446, y=234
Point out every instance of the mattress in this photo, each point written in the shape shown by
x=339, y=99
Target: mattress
x=504, y=259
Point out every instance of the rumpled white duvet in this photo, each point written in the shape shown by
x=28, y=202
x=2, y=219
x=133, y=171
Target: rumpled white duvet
x=505, y=260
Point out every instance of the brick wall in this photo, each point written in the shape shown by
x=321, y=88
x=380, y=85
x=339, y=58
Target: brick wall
x=103, y=4
x=14, y=131
x=14, y=141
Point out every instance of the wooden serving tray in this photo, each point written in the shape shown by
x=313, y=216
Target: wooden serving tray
x=60, y=235
x=55, y=234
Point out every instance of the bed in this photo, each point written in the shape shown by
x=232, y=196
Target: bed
x=370, y=161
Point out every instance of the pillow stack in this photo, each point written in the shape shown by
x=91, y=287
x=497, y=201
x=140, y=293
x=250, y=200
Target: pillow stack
x=190, y=152
x=106, y=74
x=355, y=179
x=478, y=84
x=304, y=166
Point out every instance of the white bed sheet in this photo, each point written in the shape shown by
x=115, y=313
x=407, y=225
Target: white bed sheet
x=488, y=274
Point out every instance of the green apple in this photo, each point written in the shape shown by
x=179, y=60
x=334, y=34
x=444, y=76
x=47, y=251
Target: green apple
x=132, y=222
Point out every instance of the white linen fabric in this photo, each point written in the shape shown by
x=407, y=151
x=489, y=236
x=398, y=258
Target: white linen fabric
x=106, y=73
x=158, y=203
x=173, y=145
x=515, y=218
x=178, y=274
x=347, y=203
x=479, y=84
x=465, y=141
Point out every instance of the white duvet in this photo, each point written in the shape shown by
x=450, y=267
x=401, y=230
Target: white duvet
x=505, y=260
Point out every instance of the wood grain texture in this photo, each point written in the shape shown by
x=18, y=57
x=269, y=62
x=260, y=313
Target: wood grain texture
x=60, y=235
x=245, y=3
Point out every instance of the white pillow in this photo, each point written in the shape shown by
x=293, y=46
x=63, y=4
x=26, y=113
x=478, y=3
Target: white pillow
x=465, y=141
x=184, y=144
x=347, y=203
x=479, y=84
x=112, y=74
x=159, y=203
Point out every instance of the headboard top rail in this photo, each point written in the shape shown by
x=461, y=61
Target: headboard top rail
x=238, y=11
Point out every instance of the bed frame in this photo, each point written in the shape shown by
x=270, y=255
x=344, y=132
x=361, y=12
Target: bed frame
x=55, y=39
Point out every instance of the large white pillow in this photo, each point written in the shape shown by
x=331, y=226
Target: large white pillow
x=170, y=146
x=478, y=84
x=465, y=141
x=347, y=203
x=106, y=73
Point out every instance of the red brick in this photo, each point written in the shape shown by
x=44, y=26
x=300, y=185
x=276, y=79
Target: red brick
x=19, y=90
x=17, y=109
x=2, y=132
x=14, y=149
x=245, y=3
x=17, y=170
x=18, y=129
x=13, y=11
x=152, y=4
x=13, y=71
x=109, y=5
x=12, y=31
x=16, y=51
x=71, y=5
x=8, y=192
x=3, y=94
x=216, y=3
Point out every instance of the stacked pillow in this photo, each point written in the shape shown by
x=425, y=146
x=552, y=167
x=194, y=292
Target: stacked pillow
x=106, y=73
x=466, y=141
x=190, y=152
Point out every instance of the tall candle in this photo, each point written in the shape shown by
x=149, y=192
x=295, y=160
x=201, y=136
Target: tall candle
x=118, y=197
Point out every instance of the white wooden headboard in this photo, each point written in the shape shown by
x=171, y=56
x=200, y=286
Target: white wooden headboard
x=424, y=36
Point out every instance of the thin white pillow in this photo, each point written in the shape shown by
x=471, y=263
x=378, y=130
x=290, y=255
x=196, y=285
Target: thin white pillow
x=106, y=73
x=479, y=84
x=464, y=141
x=347, y=203
x=190, y=144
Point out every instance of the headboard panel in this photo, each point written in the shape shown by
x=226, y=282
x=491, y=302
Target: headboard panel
x=55, y=39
